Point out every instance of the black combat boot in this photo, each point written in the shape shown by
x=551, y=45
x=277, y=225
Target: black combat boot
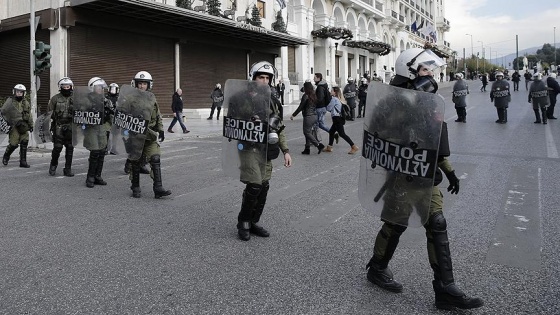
x=247, y=212
x=537, y=116
x=92, y=167
x=544, y=118
x=68, y=162
x=158, y=186
x=100, y=160
x=9, y=150
x=23, y=154
x=135, y=178
x=306, y=151
x=257, y=212
x=385, y=245
x=447, y=294
x=320, y=148
x=127, y=166
x=54, y=159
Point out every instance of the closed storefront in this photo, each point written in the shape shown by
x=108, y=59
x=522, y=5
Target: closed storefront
x=14, y=48
x=116, y=56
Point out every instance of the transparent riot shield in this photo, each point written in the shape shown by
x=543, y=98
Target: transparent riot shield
x=88, y=119
x=402, y=129
x=132, y=117
x=42, y=129
x=245, y=129
x=4, y=129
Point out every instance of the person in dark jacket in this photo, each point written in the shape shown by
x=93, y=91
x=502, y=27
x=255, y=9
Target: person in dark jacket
x=217, y=97
x=307, y=109
x=527, y=76
x=323, y=98
x=280, y=88
x=484, y=79
x=553, y=90
x=362, y=97
x=516, y=77
x=177, y=108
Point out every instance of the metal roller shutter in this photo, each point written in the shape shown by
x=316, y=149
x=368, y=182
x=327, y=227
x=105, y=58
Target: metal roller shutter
x=14, y=49
x=202, y=66
x=116, y=56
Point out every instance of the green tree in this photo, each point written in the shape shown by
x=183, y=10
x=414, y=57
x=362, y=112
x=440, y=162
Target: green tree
x=279, y=24
x=255, y=17
x=214, y=7
x=185, y=4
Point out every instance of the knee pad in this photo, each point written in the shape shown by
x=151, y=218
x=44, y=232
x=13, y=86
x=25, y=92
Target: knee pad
x=155, y=159
x=437, y=222
x=57, y=147
x=390, y=229
x=253, y=189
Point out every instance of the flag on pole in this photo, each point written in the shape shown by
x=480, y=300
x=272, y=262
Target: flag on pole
x=413, y=27
x=281, y=3
x=421, y=26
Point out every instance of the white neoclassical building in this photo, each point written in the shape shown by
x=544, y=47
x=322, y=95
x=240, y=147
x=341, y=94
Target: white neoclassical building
x=194, y=50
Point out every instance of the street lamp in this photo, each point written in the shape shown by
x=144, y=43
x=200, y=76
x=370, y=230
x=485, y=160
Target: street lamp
x=472, y=50
x=555, y=47
x=483, y=65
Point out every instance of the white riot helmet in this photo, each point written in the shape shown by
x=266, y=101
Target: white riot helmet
x=552, y=75
x=537, y=76
x=65, y=81
x=350, y=80
x=459, y=75
x=262, y=67
x=19, y=87
x=499, y=74
x=113, y=88
x=96, y=81
x=364, y=81
x=143, y=76
x=218, y=86
x=409, y=61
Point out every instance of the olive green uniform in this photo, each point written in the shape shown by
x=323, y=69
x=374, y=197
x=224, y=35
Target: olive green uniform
x=22, y=123
x=62, y=112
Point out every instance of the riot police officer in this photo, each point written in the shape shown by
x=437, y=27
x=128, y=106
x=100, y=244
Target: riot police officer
x=95, y=134
x=460, y=91
x=501, y=97
x=538, y=95
x=150, y=147
x=112, y=96
x=362, y=96
x=17, y=111
x=350, y=96
x=61, y=109
x=414, y=70
x=254, y=174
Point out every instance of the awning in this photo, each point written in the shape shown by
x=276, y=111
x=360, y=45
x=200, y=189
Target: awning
x=189, y=20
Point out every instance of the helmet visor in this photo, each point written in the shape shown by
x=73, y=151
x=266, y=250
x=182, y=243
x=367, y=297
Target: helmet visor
x=428, y=59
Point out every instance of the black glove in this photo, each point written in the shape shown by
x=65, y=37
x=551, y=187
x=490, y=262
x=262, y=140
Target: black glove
x=161, y=136
x=31, y=129
x=453, y=182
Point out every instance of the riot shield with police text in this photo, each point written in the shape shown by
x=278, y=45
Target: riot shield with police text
x=88, y=119
x=402, y=130
x=132, y=117
x=245, y=129
x=10, y=114
x=42, y=129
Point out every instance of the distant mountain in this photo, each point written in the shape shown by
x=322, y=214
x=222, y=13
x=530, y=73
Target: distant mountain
x=508, y=59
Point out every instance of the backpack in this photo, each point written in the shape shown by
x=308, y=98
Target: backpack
x=328, y=96
x=344, y=112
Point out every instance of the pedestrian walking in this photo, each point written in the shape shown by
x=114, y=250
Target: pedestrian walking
x=281, y=88
x=307, y=109
x=323, y=99
x=515, y=78
x=177, y=108
x=335, y=108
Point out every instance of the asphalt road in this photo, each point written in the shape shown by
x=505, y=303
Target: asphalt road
x=69, y=249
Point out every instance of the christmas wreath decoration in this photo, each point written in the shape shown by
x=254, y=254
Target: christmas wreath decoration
x=332, y=32
x=370, y=45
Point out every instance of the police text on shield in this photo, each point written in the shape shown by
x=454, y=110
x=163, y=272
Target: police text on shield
x=87, y=118
x=129, y=122
x=246, y=130
x=399, y=158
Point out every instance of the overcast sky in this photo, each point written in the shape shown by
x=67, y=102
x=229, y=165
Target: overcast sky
x=496, y=22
